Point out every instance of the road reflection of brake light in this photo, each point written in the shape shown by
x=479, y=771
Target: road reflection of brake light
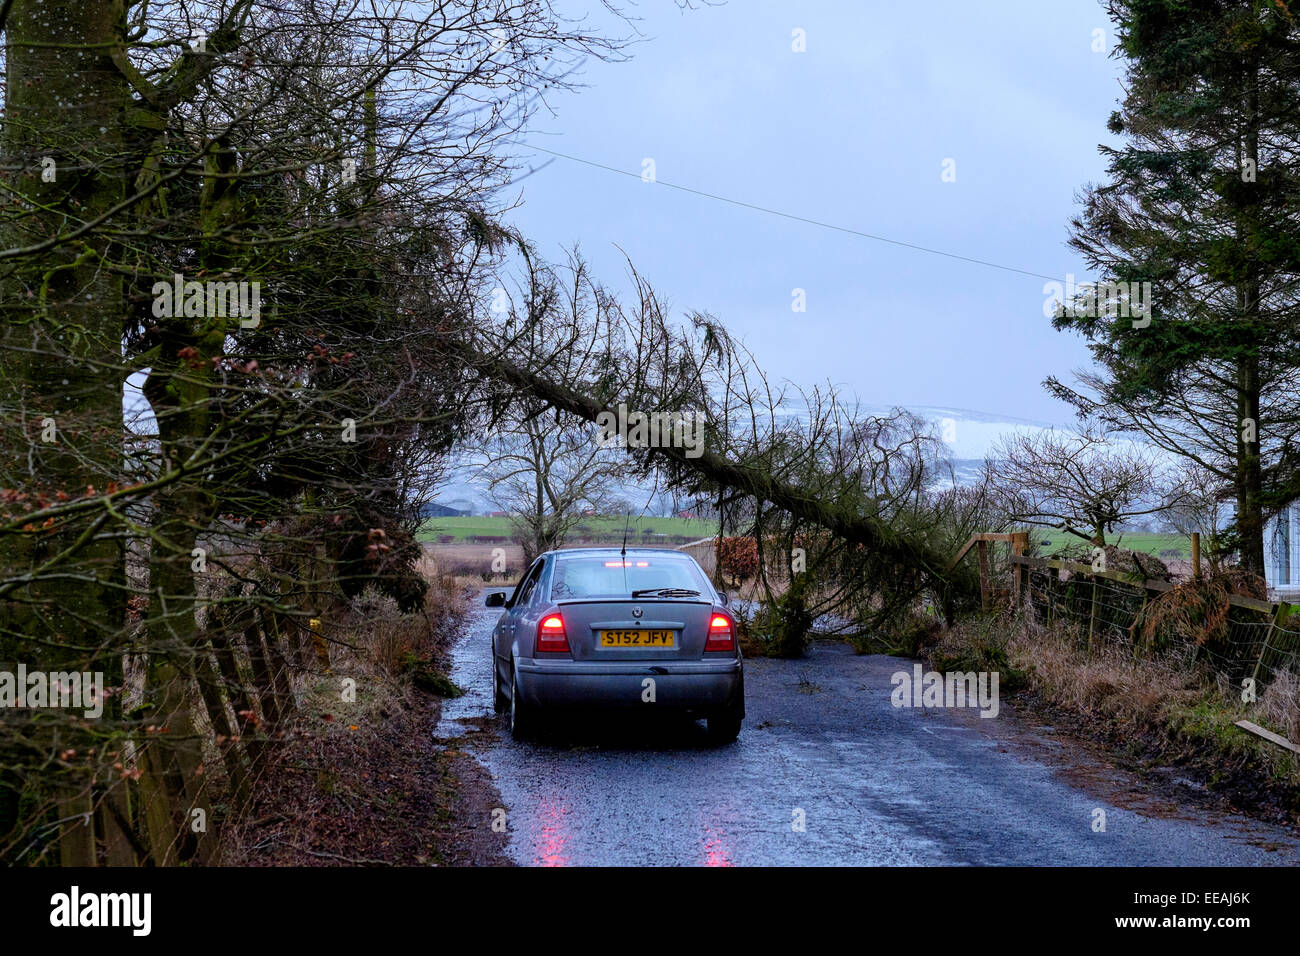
x=715, y=849
x=553, y=840
x=722, y=635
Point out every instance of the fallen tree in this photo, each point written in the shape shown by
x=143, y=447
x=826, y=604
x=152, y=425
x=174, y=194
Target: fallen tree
x=587, y=358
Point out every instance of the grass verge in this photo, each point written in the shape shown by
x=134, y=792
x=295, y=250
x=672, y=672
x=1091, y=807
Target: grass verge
x=358, y=779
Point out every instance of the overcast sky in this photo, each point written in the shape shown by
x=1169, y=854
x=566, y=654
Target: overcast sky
x=853, y=132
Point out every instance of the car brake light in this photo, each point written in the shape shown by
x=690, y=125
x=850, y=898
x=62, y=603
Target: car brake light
x=722, y=635
x=550, y=635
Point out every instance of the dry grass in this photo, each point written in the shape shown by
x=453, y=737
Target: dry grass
x=357, y=780
x=466, y=575
x=475, y=561
x=1279, y=705
x=1110, y=684
x=372, y=632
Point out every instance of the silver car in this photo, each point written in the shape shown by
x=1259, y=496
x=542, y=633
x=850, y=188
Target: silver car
x=637, y=629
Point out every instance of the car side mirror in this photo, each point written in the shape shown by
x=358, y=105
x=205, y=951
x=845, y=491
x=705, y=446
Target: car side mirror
x=495, y=599
x=722, y=597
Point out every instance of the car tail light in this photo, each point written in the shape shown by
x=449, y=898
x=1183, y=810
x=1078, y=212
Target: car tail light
x=722, y=634
x=550, y=635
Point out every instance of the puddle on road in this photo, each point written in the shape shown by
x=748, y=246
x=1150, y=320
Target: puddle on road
x=471, y=713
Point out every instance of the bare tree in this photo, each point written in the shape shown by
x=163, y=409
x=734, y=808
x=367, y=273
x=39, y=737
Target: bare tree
x=1203, y=508
x=1084, y=484
x=545, y=474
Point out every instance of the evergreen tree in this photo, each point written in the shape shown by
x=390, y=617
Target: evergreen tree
x=1202, y=202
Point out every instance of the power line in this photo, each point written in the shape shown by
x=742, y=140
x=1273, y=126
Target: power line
x=789, y=215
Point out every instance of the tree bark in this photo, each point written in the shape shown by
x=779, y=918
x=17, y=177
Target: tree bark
x=60, y=350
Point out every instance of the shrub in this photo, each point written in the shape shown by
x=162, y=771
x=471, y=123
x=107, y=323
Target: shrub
x=738, y=558
x=784, y=623
x=1198, y=611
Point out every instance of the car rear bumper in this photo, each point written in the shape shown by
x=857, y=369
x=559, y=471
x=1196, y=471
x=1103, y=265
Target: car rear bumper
x=705, y=687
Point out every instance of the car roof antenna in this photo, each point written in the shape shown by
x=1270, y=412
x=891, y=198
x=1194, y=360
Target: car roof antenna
x=623, y=553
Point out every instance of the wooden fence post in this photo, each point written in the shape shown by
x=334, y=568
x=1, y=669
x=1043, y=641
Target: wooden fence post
x=1133, y=628
x=1196, y=554
x=1092, y=613
x=1054, y=587
x=1279, y=619
x=983, y=547
x=1019, y=572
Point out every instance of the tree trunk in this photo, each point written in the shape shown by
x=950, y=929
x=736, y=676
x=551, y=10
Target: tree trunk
x=949, y=587
x=1249, y=476
x=60, y=352
x=1249, y=472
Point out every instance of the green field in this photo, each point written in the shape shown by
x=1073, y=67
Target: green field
x=460, y=528
x=1141, y=542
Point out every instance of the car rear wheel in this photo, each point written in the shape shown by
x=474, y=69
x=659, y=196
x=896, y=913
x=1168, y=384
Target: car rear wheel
x=522, y=719
x=499, y=700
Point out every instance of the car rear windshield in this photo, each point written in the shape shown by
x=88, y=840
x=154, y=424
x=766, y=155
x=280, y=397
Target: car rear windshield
x=597, y=576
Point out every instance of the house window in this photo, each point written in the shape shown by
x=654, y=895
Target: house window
x=1282, y=558
x=1291, y=518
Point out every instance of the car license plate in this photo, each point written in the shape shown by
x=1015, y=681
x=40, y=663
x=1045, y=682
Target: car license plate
x=636, y=638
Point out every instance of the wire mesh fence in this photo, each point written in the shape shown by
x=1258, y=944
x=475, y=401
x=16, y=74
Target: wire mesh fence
x=1239, y=639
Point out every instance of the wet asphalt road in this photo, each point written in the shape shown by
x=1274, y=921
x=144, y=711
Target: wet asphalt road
x=876, y=785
